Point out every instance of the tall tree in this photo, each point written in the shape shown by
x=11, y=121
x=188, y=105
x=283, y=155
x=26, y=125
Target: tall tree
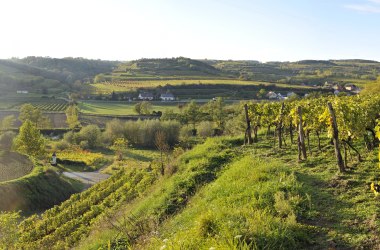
x=34, y=115
x=161, y=143
x=72, y=116
x=143, y=108
x=192, y=114
x=7, y=122
x=29, y=140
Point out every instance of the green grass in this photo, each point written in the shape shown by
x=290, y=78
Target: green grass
x=37, y=191
x=119, y=108
x=226, y=196
x=133, y=158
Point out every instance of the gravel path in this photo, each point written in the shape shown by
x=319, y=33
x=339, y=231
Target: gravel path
x=90, y=178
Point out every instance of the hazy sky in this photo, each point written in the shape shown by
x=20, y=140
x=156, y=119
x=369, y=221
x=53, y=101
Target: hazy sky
x=283, y=30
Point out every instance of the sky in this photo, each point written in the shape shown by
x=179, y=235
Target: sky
x=264, y=30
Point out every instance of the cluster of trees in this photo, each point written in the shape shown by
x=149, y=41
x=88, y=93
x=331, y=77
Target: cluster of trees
x=29, y=140
x=139, y=133
x=214, y=113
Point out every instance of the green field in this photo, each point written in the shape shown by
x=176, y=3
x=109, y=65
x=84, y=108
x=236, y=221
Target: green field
x=124, y=86
x=120, y=108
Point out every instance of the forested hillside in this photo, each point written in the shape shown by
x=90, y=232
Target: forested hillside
x=49, y=75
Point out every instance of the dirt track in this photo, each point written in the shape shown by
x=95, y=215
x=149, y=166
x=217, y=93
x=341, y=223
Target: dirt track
x=90, y=178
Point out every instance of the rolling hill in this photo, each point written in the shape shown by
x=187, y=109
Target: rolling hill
x=48, y=75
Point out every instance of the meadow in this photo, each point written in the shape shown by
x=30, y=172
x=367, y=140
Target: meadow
x=121, y=108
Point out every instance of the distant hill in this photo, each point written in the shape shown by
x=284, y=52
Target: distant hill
x=48, y=75
x=310, y=72
x=71, y=68
x=164, y=68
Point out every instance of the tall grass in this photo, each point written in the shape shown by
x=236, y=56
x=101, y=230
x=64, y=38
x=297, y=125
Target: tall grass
x=254, y=204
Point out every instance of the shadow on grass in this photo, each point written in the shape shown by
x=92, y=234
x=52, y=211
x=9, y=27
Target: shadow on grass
x=328, y=214
x=138, y=157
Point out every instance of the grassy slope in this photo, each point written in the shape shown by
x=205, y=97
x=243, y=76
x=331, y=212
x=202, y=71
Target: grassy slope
x=37, y=191
x=262, y=194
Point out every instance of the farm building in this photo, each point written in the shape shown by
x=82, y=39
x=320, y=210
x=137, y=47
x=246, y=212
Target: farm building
x=146, y=96
x=167, y=97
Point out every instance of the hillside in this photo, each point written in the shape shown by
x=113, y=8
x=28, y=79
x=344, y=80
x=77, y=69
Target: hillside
x=307, y=71
x=72, y=69
x=36, y=192
x=48, y=75
x=165, y=68
x=219, y=195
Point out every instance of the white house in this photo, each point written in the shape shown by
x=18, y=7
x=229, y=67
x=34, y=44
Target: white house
x=146, y=96
x=167, y=97
x=272, y=95
x=352, y=88
x=22, y=92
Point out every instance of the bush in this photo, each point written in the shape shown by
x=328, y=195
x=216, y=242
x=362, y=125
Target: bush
x=114, y=129
x=205, y=129
x=91, y=134
x=186, y=132
x=69, y=137
x=84, y=144
x=61, y=145
x=142, y=133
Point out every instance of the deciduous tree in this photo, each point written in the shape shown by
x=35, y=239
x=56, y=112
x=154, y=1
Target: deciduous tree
x=29, y=140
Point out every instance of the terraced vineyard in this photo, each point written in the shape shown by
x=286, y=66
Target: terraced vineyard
x=53, y=107
x=63, y=226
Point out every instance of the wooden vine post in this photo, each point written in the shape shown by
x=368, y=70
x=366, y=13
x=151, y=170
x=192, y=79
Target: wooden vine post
x=279, y=128
x=338, y=155
x=301, y=137
x=248, y=131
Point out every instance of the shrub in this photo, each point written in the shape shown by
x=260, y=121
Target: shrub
x=61, y=145
x=91, y=135
x=69, y=137
x=186, y=132
x=205, y=129
x=114, y=129
x=142, y=133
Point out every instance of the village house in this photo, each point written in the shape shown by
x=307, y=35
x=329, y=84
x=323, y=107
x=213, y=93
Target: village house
x=328, y=85
x=352, y=87
x=338, y=87
x=167, y=97
x=272, y=95
x=146, y=96
x=22, y=92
